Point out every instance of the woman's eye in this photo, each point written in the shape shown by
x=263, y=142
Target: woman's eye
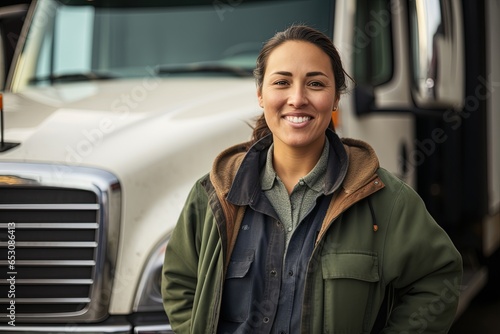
x=316, y=84
x=280, y=82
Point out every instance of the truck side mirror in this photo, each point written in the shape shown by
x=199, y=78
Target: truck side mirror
x=364, y=98
x=438, y=57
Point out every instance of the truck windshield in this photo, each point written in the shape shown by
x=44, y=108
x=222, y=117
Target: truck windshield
x=91, y=40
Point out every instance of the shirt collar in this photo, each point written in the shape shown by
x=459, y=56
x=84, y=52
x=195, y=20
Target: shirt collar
x=314, y=180
x=269, y=175
x=246, y=185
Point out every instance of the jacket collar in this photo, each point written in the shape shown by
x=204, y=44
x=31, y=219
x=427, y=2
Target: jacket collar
x=235, y=172
x=363, y=164
x=357, y=166
x=315, y=179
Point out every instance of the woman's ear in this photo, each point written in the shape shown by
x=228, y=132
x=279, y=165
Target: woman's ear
x=336, y=104
x=259, y=97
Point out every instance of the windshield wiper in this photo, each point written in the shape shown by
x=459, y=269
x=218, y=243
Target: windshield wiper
x=204, y=68
x=73, y=77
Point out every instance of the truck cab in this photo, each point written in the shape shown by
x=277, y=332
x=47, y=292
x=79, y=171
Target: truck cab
x=113, y=109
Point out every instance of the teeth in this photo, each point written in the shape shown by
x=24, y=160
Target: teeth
x=295, y=119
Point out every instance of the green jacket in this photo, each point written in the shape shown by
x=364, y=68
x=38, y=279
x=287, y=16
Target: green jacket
x=403, y=277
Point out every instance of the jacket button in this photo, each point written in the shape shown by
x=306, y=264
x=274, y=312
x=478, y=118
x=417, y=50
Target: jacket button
x=290, y=273
x=273, y=272
x=266, y=320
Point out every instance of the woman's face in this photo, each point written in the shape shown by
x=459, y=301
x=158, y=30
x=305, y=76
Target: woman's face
x=298, y=94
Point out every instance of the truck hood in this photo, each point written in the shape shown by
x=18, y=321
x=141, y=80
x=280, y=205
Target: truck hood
x=157, y=136
x=98, y=111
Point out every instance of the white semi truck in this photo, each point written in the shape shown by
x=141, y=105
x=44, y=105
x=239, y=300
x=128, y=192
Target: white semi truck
x=112, y=109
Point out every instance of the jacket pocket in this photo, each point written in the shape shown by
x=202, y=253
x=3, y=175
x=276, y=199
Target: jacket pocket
x=237, y=293
x=350, y=280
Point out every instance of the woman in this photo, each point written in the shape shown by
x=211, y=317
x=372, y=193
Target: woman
x=301, y=232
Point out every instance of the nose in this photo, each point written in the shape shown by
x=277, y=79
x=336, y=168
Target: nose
x=297, y=97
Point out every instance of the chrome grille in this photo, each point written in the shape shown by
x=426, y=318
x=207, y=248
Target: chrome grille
x=61, y=232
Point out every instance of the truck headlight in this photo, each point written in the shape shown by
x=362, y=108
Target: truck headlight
x=148, y=297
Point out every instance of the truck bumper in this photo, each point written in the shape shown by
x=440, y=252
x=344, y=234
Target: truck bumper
x=135, y=324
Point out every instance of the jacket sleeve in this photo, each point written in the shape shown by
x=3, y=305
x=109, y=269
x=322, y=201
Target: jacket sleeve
x=180, y=267
x=423, y=266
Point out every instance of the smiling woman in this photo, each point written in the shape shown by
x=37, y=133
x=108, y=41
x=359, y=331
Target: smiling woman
x=298, y=96
x=299, y=231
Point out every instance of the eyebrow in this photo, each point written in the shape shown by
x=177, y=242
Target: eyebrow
x=308, y=74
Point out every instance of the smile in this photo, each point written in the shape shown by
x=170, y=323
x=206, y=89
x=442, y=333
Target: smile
x=297, y=120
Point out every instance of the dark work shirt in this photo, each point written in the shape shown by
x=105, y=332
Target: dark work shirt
x=264, y=286
x=292, y=209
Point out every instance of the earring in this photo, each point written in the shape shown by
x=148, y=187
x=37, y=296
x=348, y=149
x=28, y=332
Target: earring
x=334, y=108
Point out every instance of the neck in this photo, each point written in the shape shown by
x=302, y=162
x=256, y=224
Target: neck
x=293, y=163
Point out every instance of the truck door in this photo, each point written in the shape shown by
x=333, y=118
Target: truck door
x=373, y=53
x=392, y=53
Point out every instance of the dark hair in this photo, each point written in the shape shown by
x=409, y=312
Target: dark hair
x=297, y=33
